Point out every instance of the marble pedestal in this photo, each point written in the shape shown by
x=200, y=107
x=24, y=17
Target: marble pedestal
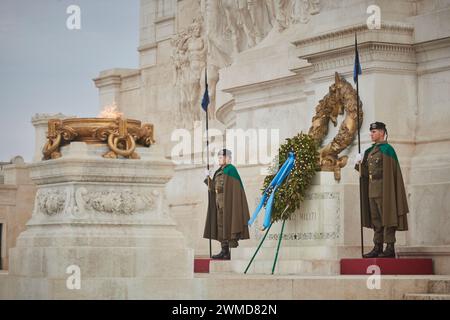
x=106, y=222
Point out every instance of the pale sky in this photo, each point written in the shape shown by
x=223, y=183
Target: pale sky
x=47, y=68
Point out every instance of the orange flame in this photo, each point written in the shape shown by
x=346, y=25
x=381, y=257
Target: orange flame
x=110, y=111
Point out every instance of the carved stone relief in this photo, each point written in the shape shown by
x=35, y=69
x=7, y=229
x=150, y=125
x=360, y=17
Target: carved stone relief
x=222, y=30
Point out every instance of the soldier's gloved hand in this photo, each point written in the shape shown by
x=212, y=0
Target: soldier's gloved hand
x=207, y=173
x=358, y=158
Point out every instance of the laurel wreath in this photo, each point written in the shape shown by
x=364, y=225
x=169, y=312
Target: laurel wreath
x=291, y=193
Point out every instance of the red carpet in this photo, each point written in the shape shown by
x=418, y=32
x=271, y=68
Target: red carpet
x=388, y=266
x=201, y=265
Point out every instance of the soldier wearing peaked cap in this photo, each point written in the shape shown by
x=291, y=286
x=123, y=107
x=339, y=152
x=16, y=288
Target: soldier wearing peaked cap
x=384, y=205
x=227, y=208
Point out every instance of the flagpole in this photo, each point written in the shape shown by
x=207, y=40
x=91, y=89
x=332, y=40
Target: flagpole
x=359, y=145
x=205, y=104
x=207, y=164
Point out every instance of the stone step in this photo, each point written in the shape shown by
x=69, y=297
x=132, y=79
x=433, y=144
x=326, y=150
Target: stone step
x=298, y=253
x=299, y=287
x=427, y=296
x=286, y=267
x=205, y=286
x=439, y=286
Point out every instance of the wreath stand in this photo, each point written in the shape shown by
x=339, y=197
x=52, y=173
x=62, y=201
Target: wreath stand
x=262, y=241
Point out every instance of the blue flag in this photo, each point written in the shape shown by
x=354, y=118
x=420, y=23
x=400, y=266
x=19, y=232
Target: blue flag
x=205, y=100
x=357, y=67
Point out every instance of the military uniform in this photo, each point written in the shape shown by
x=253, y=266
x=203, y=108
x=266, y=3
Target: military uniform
x=217, y=185
x=383, y=197
x=375, y=171
x=228, y=215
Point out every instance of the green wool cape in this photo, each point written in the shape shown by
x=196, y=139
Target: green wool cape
x=236, y=214
x=395, y=206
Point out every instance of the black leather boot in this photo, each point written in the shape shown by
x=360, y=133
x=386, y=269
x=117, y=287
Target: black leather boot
x=389, y=252
x=227, y=254
x=224, y=254
x=376, y=251
x=219, y=255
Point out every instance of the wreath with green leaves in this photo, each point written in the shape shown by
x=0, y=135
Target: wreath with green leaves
x=292, y=191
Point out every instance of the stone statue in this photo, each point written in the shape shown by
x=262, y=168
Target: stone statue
x=180, y=75
x=189, y=61
x=224, y=29
x=219, y=49
x=196, y=51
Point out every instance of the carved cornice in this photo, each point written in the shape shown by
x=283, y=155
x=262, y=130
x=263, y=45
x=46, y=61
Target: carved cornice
x=433, y=56
x=331, y=50
x=113, y=77
x=368, y=52
x=148, y=46
x=385, y=57
x=432, y=45
x=97, y=170
x=264, y=85
x=360, y=29
x=110, y=80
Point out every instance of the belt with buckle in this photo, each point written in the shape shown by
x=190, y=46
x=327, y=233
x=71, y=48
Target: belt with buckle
x=375, y=177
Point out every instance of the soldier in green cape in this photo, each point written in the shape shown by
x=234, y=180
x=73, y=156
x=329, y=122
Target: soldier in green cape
x=384, y=205
x=228, y=215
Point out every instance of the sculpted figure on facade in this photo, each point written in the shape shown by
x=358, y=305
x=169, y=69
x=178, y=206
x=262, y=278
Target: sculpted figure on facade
x=295, y=11
x=263, y=17
x=303, y=9
x=189, y=61
x=238, y=24
x=223, y=29
x=180, y=73
x=196, y=51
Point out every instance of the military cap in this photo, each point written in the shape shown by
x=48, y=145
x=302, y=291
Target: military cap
x=377, y=125
x=224, y=152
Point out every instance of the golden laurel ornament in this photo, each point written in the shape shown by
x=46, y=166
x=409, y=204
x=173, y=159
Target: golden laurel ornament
x=341, y=98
